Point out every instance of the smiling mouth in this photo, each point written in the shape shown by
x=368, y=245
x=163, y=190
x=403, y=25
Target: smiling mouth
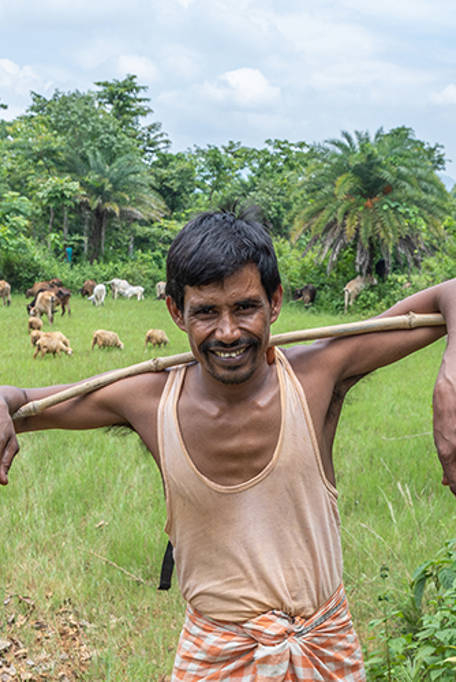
x=229, y=354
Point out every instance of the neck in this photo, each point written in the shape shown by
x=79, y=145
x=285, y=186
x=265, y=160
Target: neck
x=218, y=391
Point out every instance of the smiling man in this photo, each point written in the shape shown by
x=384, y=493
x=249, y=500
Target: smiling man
x=243, y=438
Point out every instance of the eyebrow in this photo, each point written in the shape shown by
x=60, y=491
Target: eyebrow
x=251, y=300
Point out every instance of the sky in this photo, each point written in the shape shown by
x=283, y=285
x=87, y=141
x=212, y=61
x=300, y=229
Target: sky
x=246, y=70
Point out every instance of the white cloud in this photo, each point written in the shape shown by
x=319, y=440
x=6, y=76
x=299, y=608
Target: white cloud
x=98, y=51
x=19, y=80
x=142, y=67
x=245, y=87
x=445, y=96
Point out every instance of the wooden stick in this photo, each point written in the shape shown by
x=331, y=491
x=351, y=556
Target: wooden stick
x=409, y=321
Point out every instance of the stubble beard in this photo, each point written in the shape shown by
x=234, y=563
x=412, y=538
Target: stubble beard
x=231, y=375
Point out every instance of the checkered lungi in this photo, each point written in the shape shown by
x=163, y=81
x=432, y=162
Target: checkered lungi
x=273, y=647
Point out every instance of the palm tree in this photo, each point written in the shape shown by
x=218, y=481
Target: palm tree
x=383, y=195
x=120, y=189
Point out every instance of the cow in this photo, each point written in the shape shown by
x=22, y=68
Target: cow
x=306, y=294
x=354, y=287
x=87, y=288
x=5, y=292
x=160, y=289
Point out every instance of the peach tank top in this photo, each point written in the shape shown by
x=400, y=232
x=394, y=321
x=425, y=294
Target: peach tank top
x=272, y=542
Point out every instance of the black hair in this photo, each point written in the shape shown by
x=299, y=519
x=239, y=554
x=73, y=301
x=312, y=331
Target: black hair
x=215, y=245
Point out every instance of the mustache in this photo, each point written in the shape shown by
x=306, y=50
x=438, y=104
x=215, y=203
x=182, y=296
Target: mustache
x=207, y=346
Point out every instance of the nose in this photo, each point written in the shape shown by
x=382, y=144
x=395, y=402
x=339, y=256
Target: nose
x=227, y=331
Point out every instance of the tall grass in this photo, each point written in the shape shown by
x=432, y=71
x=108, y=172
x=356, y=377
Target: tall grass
x=83, y=514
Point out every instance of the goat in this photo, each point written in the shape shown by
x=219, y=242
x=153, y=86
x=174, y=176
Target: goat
x=156, y=337
x=160, y=289
x=105, y=339
x=354, y=287
x=98, y=296
x=133, y=291
x=45, y=303
x=5, y=292
x=118, y=286
x=46, y=344
x=34, y=323
x=87, y=288
x=37, y=335
x=306, y=294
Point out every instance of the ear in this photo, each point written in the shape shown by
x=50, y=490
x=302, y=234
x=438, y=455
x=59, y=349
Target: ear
x=175, y=313
x=276, y=303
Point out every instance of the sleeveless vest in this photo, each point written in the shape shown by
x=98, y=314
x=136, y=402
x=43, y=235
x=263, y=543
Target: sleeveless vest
x=272, y=542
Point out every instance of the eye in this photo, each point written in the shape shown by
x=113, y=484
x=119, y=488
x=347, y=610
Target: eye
x=205, y=310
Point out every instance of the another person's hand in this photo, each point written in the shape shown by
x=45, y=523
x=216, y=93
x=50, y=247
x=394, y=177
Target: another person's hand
x=445, y=420
x=9, y=446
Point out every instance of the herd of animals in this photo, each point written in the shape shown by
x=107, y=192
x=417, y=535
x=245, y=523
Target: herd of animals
x=48, y=296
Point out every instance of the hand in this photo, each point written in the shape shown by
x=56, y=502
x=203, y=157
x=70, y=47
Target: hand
x=9, y=447
x=445, y=421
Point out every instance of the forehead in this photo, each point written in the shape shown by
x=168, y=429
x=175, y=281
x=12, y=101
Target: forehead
x=245, y=283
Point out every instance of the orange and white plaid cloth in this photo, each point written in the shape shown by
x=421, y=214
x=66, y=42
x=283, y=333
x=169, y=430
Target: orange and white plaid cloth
x=273, y=647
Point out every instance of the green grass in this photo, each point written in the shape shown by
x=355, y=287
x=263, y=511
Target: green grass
x=77, y=499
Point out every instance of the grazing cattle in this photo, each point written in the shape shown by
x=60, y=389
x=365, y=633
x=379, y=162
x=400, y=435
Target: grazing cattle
x=5, y=292
x=354, y=287
x=156, y=337
x=118, y=286
x=133, y=291
x=34, y=324
x=160, y=289
x=99, y=295
x=45, y=303
x=306, y=294
x=104, y=339
x=87, y=288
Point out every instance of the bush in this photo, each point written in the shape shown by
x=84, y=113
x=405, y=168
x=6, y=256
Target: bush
x=418, y=640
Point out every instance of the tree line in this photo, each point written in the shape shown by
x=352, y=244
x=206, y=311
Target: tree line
x=88, y=170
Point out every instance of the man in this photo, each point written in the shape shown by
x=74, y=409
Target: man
x=243, y=439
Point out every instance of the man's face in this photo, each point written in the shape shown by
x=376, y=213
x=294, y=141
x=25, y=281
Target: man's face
x=228, y=324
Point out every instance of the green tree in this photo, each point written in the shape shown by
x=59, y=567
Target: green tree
x=121, y=98
x=381, y=195
x=120, y=188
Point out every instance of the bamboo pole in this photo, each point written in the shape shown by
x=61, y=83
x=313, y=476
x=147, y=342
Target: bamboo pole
x=409, y=321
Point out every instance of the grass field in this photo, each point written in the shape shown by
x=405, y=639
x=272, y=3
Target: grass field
x=82, y=519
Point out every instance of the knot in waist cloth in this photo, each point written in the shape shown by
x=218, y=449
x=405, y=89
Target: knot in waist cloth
x=273, y=647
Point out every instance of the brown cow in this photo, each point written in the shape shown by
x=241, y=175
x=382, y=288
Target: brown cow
x=5, y=292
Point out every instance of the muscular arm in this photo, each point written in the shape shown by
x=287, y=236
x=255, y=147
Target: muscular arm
x=327, y=369
x=132, y=401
